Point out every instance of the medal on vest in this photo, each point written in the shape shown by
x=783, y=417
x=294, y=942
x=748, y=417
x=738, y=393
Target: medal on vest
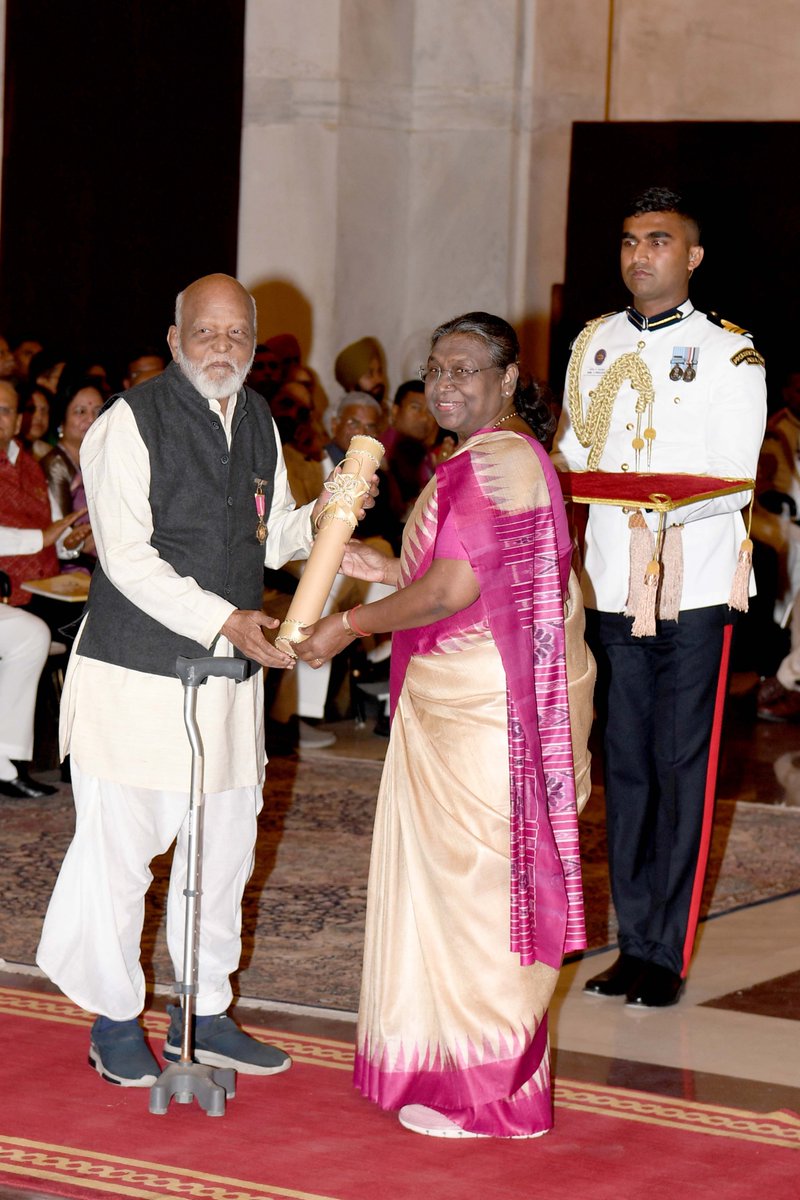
x=261, y=509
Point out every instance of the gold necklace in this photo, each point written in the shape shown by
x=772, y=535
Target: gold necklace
x=507, y=417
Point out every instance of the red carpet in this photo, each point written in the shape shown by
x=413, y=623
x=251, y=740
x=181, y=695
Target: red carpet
x=306, y=1135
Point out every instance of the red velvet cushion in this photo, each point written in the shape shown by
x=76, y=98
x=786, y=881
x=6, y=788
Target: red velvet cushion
x=645, y=490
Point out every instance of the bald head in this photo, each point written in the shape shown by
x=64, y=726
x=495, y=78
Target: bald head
x=214, y=335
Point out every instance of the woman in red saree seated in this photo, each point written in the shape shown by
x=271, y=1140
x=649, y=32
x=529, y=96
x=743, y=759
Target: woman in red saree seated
x=474, y=888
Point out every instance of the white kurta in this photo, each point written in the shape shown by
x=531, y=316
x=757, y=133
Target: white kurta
x=127, y=726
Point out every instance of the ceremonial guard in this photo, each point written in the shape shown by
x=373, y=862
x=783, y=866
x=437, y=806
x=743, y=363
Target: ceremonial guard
x=661, y=388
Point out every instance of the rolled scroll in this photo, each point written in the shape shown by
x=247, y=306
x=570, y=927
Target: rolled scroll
x=335, y=526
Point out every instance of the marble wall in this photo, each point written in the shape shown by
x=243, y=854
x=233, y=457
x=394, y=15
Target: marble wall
x=404, y=160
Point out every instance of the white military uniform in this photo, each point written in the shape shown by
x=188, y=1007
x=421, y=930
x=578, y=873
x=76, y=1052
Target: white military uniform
x=660, y=696
x=710, y=425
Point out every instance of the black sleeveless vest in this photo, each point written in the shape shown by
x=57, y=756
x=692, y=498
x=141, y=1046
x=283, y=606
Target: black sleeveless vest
x=204, y=516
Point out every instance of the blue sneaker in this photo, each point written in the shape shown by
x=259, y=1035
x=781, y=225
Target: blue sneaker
x=219, y=1042
x=119, y=1053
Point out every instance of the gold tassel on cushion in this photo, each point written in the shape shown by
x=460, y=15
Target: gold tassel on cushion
x=739, y=598
x=644, y=622
x=641, y=551
x=740, y=588
x=669, y=604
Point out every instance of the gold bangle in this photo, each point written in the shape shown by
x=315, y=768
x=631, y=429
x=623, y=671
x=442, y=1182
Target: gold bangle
x=352, y=625
x=348, y=627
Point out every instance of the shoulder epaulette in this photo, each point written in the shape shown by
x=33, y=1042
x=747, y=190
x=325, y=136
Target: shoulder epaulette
x=591, y=322
x=716, y=319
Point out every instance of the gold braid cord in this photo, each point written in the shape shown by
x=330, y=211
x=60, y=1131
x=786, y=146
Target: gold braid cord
x=592, y=428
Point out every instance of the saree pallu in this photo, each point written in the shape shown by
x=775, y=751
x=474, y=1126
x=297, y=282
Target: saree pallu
x=474, y=889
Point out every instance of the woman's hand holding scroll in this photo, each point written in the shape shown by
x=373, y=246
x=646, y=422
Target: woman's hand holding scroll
x=323, y=640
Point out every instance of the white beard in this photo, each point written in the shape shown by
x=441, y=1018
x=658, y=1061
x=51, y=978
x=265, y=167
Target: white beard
x=214, y=386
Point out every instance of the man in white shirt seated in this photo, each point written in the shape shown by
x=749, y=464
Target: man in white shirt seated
x=27, y=538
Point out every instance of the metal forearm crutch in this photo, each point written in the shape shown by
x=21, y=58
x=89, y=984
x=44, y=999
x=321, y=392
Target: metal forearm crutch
x=187, y=1080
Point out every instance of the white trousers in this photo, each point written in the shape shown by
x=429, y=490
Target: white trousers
x=24, y=646
x=90, y=944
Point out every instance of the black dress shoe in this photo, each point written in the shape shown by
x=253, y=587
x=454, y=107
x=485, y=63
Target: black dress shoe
x=620, y=977
x=25, y=788
x=658, y=987
x=23, y=776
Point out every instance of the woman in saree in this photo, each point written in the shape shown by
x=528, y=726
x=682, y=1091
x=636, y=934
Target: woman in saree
x=474, y=888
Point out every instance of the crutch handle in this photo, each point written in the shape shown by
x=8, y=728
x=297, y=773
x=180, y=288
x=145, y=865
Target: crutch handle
x=194, y=671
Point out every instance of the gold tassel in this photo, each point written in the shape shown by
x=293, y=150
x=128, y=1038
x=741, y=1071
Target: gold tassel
x=644, y=624
x=740, y=587
x=672, y=586
x=641, y=551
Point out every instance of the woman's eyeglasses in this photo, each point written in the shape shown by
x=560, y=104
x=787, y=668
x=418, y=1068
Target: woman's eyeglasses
x=456, y=375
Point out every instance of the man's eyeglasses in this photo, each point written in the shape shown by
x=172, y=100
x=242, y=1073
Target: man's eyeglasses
x=456, y=375
x=357, y=426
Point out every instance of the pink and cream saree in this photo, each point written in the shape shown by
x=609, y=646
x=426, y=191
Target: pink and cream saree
x=474, y=888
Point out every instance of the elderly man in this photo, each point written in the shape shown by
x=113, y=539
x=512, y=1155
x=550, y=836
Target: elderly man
x=175, y=471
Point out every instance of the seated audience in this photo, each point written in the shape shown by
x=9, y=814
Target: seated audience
x=75, y=407
x=24, y=647
x=301, y=693
x=360, y=367
x=303, y=440
x=357, y=412
x=144, y=365
x=443, y=446
x=776, y=552
x=45, y=368
x=408, y=442
x=27, y=540
x=27, y=349
x=8, y=364
x=272, y=361
x=34, y=405
x=37, y=532
x=286, y=353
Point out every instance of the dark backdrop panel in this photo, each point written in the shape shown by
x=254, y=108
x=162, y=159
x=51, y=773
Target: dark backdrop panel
x=739, y=173
x=120, y=165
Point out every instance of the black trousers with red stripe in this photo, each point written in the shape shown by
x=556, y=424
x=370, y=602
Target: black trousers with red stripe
x=660, y=702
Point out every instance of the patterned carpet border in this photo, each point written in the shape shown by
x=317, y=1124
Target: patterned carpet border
x=129, y=1176
x=303, y=913
x=143, y=1180
x=770, y=1129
